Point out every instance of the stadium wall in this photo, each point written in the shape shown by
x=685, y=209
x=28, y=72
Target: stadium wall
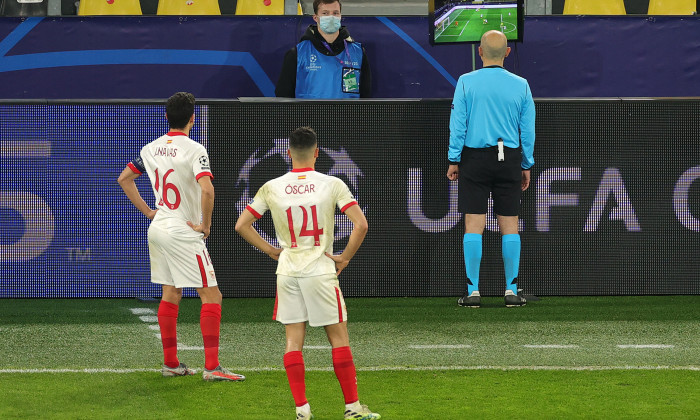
x=613, y=208
x=241, y=56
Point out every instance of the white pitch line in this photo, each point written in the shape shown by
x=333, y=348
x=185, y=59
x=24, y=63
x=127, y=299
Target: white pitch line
x=86, y=370
x=154, y=327
x=377, y=369
x=142, y=311
x=465, y=27
x=550, y=346
x=317, y=347
x=440, y=346
x=148, y=318
x=181, y=346
x=645, y=346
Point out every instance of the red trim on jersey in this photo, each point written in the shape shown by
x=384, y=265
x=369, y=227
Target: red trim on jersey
x=255, y=213
x=340, y=306
x=133, y=168
x=176, y=133
x=347, y=206
x=201, y=174
x=202, y=271
x=303, y=170
x=274, y=311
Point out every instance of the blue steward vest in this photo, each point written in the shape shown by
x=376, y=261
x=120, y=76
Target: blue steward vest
x=320, y=76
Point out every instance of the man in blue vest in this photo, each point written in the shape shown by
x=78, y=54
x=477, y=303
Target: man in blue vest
x=327, y=63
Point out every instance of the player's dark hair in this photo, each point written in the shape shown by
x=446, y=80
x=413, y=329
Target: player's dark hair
x=302, y=139
x=318, y=2
x=179, y=109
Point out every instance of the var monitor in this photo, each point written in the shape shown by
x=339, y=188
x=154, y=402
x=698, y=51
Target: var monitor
x=466, y=21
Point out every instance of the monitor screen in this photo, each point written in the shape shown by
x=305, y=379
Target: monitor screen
x=466, y=21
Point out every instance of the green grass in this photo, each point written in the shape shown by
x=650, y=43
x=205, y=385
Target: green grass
x=495, y=377
x=468, y=24
x=397, y=395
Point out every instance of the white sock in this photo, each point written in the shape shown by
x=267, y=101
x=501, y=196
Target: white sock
x=305, y=409
x=356, y=406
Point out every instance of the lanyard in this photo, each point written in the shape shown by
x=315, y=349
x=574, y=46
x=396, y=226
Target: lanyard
x=347, y=54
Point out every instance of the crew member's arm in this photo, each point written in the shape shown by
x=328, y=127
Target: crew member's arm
x=458, y=131
x=207, y=206
x=244, y=227
x=360, y=227
x=126, y=181
x=287, y=83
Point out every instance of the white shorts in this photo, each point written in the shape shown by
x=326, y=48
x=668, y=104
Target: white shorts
x=179, y=261
x=315, y=299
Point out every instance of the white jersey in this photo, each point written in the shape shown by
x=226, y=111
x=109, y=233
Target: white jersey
x=302, y=203
x=174, y=164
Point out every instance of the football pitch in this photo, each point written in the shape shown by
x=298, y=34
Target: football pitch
x=560, y=357
x=470, y=24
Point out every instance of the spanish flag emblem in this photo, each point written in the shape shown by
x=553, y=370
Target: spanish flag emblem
x=300, y=177
x=169, y=141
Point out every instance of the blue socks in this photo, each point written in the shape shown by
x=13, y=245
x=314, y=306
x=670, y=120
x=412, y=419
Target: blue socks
x=472, y=259
x=511, y=259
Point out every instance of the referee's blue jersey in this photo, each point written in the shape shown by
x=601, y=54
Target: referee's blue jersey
x=492, y=103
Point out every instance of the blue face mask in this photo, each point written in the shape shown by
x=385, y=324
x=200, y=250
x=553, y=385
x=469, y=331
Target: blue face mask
x=329, y=24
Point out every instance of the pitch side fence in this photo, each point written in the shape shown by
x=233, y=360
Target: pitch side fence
x=613, y=208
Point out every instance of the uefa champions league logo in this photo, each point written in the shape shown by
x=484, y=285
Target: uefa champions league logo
x=342, y=167
x=313, y=65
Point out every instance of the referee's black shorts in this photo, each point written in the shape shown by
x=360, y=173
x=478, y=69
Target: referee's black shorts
x=480, y=173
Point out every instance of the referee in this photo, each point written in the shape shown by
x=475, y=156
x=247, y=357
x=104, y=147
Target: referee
x=492, y=138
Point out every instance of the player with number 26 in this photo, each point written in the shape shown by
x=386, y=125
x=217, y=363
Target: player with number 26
x=178, y=168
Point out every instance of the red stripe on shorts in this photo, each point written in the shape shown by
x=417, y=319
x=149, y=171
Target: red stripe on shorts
x=274, y=311
x=202, y=271
x=206, y=257
x=340, y=306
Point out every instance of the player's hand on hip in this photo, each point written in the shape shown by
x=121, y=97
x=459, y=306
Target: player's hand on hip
x=274, y=253
x=199, y=228
x=340, y=262
x=453, y=172
x=151, y=214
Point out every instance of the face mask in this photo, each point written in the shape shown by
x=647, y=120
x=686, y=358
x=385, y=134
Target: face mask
x=329, y=24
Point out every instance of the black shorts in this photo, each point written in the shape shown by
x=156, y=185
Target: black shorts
x=480, y=173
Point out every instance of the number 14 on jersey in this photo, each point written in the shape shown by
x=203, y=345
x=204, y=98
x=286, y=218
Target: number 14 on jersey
x=305, y=231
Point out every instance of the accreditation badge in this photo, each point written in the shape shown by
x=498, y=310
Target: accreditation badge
x=351, y=79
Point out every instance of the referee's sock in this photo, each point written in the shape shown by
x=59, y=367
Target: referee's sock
x=511, y=260
x=472, y=260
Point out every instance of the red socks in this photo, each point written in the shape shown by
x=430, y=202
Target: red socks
x=294, y=365
x=344, y=368
x=210, y=322
x=167, y=320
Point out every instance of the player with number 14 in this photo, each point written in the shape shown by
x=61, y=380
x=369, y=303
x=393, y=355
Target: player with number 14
x=302, y=204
